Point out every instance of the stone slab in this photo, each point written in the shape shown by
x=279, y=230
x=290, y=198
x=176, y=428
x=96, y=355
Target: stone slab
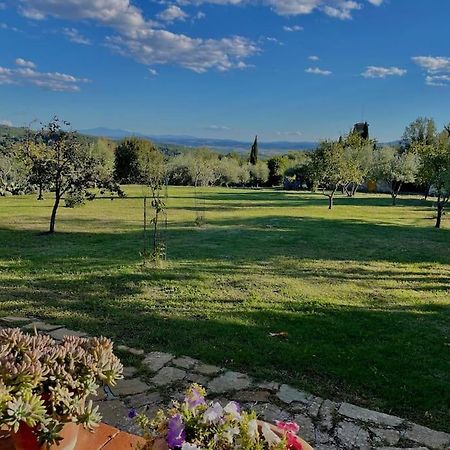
x=129, y=387
x=425, y=436
x=41, y=326
x=157, y=360
x=288, y=394
x=229, y=381
x=185, y=362
x=207, y=369
x=168, y=375
x=367, y=415
x=62, y=332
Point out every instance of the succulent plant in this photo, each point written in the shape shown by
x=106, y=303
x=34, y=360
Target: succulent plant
x=45, y=384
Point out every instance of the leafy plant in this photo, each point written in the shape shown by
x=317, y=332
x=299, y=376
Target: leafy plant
x=44, y=384
x=197, y=424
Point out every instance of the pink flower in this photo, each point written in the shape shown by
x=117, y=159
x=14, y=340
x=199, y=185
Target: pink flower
x=293, y=443
x=288, y=426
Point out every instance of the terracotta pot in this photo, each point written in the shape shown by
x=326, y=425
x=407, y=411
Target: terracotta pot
x=160, y=444
x=25, y=439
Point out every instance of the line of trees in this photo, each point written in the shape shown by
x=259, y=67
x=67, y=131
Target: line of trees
x=75, y=167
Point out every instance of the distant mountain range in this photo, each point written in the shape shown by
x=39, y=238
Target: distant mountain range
x=191, y=141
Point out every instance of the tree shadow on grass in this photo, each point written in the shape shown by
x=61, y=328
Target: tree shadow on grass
x=384, y=358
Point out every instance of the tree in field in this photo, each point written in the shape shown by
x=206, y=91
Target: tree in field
x=277, y=166
x=202, y=167
x=230, y=172
x=13, y=169
x=357, y=162
x=395, y=167
x=69, y=166
x=437, y=163
x=259, y=173
x=421, y=131
x=254, y=152
x=328, y=165
x=153, y=173
x=127, y=157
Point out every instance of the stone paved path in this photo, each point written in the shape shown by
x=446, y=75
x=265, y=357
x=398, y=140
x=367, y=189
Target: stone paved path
x=325, y=424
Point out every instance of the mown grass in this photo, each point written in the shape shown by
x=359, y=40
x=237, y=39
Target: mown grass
x=362, y=290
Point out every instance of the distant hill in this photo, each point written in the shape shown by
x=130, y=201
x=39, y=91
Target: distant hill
x=224, y=145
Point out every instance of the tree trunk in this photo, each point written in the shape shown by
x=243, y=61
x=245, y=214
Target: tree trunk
x=330, y=201
x=40, y=196
x=427, y=192
x=53, y=216
x=440, y=209
x=394, y=198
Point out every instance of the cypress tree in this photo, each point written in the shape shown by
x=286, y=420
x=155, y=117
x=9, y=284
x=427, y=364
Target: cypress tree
x=254, y=152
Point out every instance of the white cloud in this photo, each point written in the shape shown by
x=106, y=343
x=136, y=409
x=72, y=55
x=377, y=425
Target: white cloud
x=5, y=26
x=53, y=81
x=341, y=9
x=382, y=72
x=437, y=68
x=75, y=36
x=142, y=39
x=433, y=63
x=289, y=133
x=24, y=63
x=318, y=71
x=218, y=128
x=172, y=13
x=152, y=71
x=292, y=29
x=6, y=123
x=313, y=58
x=437, y=80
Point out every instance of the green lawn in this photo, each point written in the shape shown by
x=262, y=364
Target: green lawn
x=362, y=290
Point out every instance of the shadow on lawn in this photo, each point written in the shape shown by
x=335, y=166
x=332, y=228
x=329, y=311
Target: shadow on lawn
x=363, y=355
x=384, y=355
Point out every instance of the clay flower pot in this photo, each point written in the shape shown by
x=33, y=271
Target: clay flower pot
x=25, y=439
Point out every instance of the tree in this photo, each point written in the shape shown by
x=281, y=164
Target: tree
x=395, y=167
x=437, y=163
x=153, y=172
x=277, y=166
x=357, y=162
x=254, y=152
x=127, y=156
x=259, y=173
x=230, y=172
x=70, y=167
x=328, y=166
x=421, y=131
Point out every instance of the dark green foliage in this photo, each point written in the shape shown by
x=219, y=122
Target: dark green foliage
x=254, y=152
x=277, y=167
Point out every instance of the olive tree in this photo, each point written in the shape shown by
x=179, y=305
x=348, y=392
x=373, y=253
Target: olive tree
x=395, y=167
x=70, y=168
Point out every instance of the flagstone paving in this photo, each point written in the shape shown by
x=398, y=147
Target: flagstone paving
x=325, y=424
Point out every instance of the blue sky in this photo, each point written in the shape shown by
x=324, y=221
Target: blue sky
x=284, y=69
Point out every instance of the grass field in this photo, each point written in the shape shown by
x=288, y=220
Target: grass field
x=362, y=290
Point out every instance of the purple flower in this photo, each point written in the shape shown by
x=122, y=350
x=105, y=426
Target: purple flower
x=176, y=434
x=132, y=413
x=194, y=399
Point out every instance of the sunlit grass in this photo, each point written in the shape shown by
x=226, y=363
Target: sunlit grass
x=362, y=290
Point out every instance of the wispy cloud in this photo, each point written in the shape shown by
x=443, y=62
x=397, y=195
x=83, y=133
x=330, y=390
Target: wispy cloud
x=383, y=72
x=437, y=69
x=318, y=71
x=293, y=28
x=340, y=9
x=217, y=128
x=437, y=80
x=24, y=73
x=75, y=36
x=143, y=39
x=313, y=58
x=289, y=133
x=24, y=63
x=172, y=13
x=152, y=71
